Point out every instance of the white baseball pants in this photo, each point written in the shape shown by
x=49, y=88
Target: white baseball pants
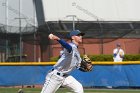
x=54, y=81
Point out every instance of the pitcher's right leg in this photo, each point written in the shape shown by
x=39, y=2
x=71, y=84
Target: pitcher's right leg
x=52, y=83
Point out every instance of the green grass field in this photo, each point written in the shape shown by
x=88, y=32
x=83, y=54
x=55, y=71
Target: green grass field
x=63, y=90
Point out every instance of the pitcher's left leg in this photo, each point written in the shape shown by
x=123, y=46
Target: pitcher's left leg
x=71, y=83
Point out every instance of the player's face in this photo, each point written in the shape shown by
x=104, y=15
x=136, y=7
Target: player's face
x=77, y=39
x=118, y=47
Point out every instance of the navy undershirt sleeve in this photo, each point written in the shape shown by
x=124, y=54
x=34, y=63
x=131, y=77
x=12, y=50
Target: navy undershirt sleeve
x=65, y=45
x=115, y=55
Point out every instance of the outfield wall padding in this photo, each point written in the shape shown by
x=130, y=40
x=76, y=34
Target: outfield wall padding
x=102, y=75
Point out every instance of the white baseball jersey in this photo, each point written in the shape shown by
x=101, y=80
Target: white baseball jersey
x=119, y=52
x=68, y=61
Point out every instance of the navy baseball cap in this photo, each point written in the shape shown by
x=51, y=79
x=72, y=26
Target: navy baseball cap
x=76, y=32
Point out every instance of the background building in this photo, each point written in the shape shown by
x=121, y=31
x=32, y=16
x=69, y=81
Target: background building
x=25, y=25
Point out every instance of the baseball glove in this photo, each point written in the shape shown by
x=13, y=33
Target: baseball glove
x=121, y=54
x=86, y=64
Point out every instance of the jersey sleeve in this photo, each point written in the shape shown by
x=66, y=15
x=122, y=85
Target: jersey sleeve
x=114, y=53
x=65, y=45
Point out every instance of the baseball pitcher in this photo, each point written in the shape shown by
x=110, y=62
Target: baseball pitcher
x=59, y=75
